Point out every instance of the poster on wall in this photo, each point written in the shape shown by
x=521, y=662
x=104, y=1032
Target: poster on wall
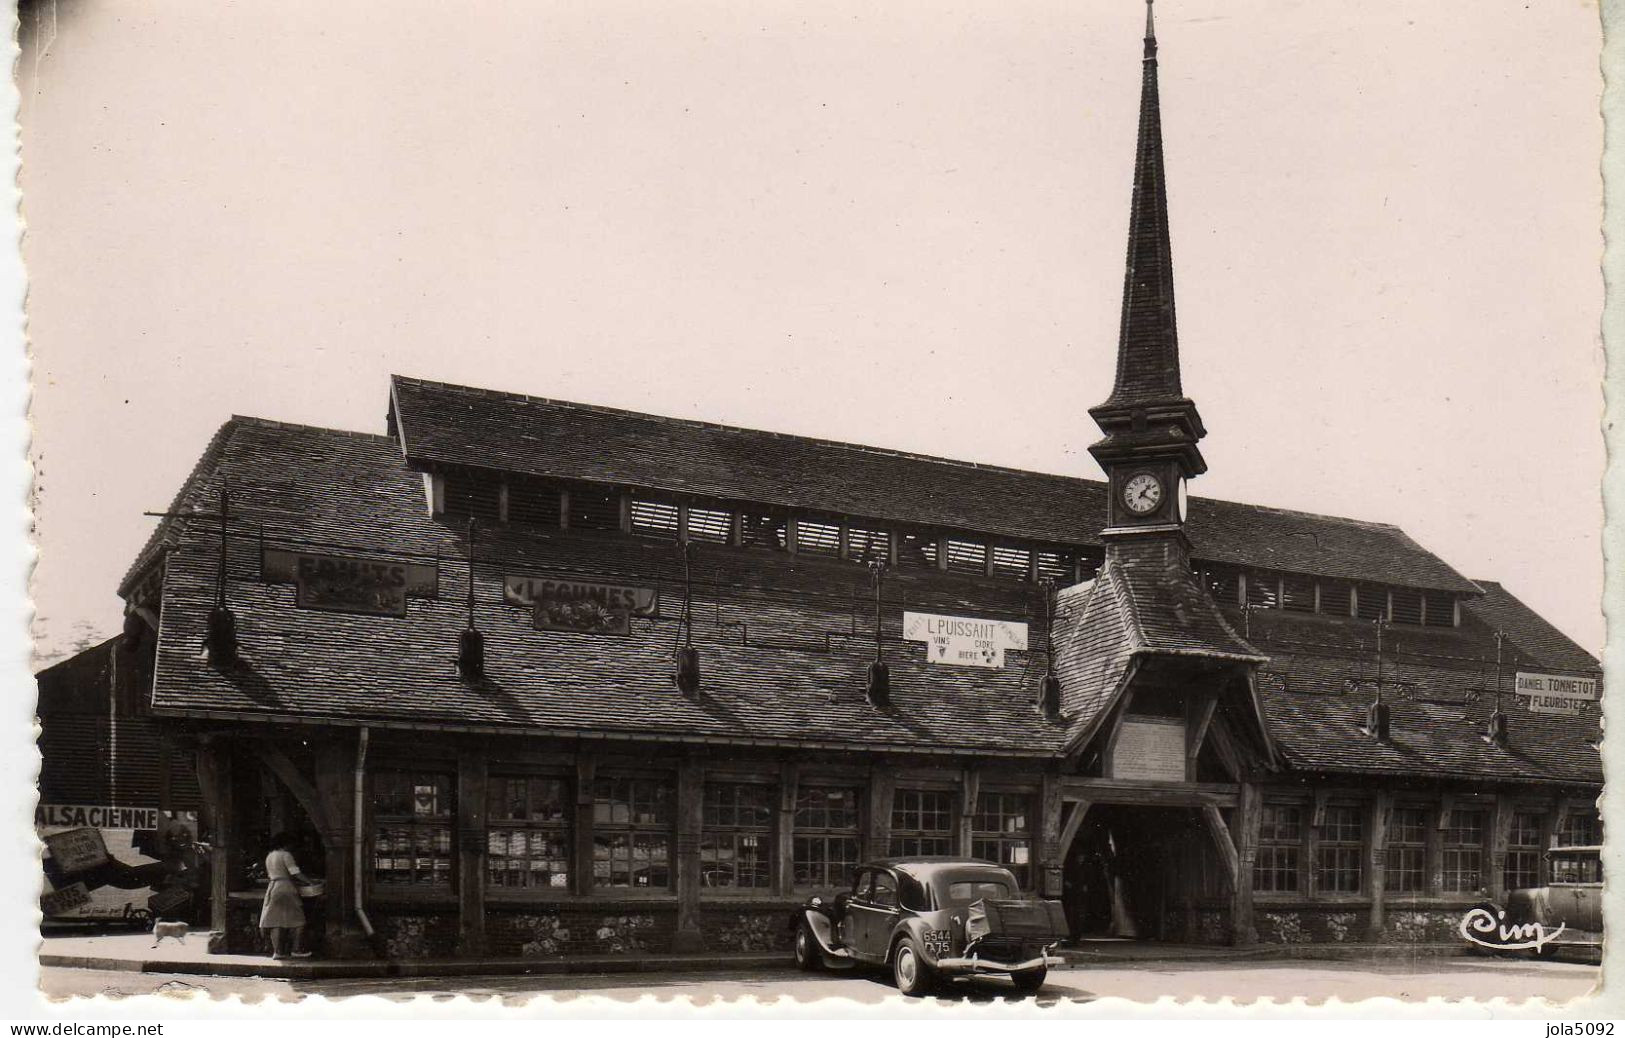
x=583, y=606
x=107, y=861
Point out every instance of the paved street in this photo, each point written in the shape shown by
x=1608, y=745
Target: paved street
x=1462, y=977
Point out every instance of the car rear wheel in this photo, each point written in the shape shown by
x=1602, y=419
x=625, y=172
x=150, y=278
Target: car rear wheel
x=807, y=957
x=1030, y=980
x=914, y=978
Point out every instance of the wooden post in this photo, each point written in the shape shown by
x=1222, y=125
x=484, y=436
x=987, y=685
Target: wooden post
x=1500, y=834
x=214, y=782
x=690, y=820
x=970, y=789
x=586, y=777
x=877, y=820
x=789, y=787
x=1382, y=810
x=1435, y=845
x=1249, y=814
x=471, y=808
x=335, y=819
x=1049, y=860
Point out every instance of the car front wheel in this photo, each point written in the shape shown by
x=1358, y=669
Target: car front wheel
x=806, y=949
x=914, y=977
x=1030, y=980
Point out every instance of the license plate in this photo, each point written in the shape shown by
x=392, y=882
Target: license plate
x=938, y=943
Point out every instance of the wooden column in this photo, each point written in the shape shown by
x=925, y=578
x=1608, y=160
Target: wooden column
x=784, y=846
x=970, y=788
x=1496, y=861
x=1249, y=814
x=471, y=848
x=335, y=820
x=1435, y=845
x=218, y=821
x=1382, y=810
x=877, y=819
x=581, y=866
x=690, y=819
x=1049, y=859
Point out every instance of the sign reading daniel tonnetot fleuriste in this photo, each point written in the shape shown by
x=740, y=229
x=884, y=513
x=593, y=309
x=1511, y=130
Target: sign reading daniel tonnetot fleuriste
x=1555, y=693
x=964, y=641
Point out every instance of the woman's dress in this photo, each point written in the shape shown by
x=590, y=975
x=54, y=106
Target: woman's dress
x=282, y=905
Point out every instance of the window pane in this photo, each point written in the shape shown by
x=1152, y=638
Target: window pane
x=654, y=519
x=708, y=524
x=1011, y=562
x=967, y=557
x=817, y=538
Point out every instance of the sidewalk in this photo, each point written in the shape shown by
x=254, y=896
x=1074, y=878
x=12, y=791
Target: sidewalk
x=1117, y=952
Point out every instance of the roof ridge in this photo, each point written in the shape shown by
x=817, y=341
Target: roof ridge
x=273, y=423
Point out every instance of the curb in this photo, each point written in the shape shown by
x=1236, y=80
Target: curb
x=1264, y=952
x=365, y=968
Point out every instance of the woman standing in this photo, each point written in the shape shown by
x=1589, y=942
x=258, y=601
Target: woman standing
x=283, y=910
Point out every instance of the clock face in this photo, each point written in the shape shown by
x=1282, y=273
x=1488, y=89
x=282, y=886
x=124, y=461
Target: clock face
x=1142, y=493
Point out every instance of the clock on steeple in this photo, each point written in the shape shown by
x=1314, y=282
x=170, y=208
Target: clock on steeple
x=1151, y=428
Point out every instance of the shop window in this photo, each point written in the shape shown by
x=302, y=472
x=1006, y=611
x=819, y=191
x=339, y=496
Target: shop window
x=736, y=841
x=967, y=557
x=1336, y=598
x=816, y=538
x=532, y=502
x=1438, y=609
x=631, y=837
x=763, y=529
x=593, y=508
x=1297, y=593
x=1280, y=845
x=1263, y=591
x=1059, y=566
x=472, y=494
x=916, y=551
x=412, y=816
x=1405, y=867
x=1407, y=607
x=1580, y=829
x=1462, y=852
x=656, y=519
x=826, y=836
x=1001, y=831
x=1223, y=583
x=1371, y=602
x=922, y=822
x=711, y=525
x=1523, y=850
x=1340, y=850
x=1012, y=562
x=528, y=835
x=866, y=545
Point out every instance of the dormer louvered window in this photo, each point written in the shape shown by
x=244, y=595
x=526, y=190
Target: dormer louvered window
x=917, y=551
x=1059, y=566
x=1297, y=593
x=1012, y=562
x=532, y=502
x=1263, y=590
x=1223, y=583
x=593, y=508
x=762, y=528
x=712, y=525
x=656, y=519
x=476, y=494
x=814, y=537
x=1407, y=607
x=967, y=557
x=1371, y=602
x=866, y=545
x=1336, y=598
x=1438, y=609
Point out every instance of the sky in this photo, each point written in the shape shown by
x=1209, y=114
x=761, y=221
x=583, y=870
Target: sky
x=899, y=224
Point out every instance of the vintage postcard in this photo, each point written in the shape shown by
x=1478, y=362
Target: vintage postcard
x=538, y=501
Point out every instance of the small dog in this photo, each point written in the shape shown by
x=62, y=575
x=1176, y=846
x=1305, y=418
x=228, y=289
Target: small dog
x=161, y=929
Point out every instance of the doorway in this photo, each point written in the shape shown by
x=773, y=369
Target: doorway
x=1139, y=873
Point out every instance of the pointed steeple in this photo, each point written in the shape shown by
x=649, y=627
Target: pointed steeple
x=1147, y=412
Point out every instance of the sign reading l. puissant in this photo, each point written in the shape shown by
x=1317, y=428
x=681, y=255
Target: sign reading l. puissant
x=964, y=641
x=584, y=606
x=343, y=584
x=1555, y=693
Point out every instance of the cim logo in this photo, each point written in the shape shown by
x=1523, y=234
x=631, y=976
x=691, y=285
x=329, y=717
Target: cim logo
x=1490, y=930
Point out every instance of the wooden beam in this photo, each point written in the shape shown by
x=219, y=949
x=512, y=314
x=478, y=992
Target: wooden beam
x=1149, y=794
x=303, y=789
x=581, y=864
x=472, y=780
x=1074, y=820
x=1500, y=835
x=1047, y=877
x=1196, y=730
x=970, y=788
x=214, y=782
x=1382, y=812
x=877, y=819
x=1224, y=844
x=1249, y=814
x=690, y=822
x=784, y=846
x=1224, y=745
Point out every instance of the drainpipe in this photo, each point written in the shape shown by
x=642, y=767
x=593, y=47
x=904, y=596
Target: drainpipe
x=358, y=835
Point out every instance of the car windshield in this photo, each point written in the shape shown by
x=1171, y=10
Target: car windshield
x=1576, y=869
x=969, y=891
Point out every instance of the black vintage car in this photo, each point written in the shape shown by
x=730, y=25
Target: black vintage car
x=931, y=919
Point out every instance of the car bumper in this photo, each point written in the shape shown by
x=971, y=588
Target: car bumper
x=976, y=964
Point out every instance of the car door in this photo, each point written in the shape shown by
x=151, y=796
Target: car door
x=873, y=904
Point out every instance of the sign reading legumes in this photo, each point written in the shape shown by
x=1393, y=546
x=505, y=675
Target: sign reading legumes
x=1555, y=693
